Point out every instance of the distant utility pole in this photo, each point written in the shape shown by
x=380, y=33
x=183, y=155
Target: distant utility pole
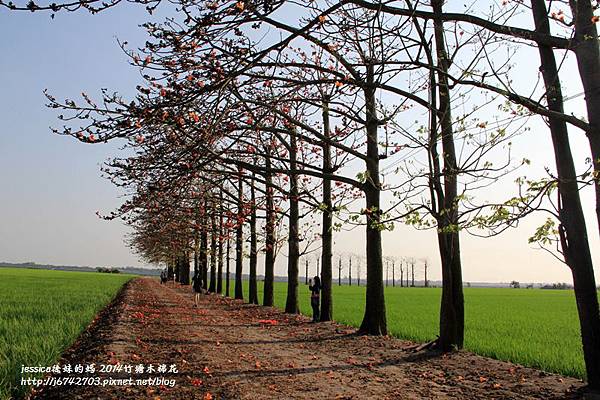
x=340, y=271
x=393, y=273
x=426, y=281
x=412, y=269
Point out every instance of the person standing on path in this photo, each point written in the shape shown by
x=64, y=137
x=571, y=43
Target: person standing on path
x=315, y=292
x=197, y=287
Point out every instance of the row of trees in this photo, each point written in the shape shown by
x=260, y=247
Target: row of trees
x=271, y=121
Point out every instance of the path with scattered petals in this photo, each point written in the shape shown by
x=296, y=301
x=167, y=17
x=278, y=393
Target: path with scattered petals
x=226, y=349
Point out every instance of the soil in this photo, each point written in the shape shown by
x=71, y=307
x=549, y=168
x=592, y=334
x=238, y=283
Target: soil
x=225, y=349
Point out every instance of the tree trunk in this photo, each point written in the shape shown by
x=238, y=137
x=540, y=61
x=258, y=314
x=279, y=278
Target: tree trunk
x=204, y=250
x=452, y=307
x=327, y=225
x=291, y=304
x=177, y=269
x=374, y=321
x=572, y=222
x=184, y=276
x=227, y=275
x=340, y=272
x=180, y=267
x=306, y=271
x=170, y=271
x=401, y=275
x=253, y=289
x=220, y=261
x=213, y=251
x=587, y=53
x=197, y=249
x=269, y=239
x=387, y=275
x=350, y=271
x=239, y=237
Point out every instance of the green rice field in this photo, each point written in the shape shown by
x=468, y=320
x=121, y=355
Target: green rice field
x=42, y=312
x=532, y=327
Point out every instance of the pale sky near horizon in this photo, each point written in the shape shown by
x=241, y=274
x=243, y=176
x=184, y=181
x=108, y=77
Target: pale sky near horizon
x=51, y=185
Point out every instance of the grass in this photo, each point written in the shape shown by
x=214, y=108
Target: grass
x=536, y=328
x=42, y=313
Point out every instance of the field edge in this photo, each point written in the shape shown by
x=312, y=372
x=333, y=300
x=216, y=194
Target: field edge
x=86, y=341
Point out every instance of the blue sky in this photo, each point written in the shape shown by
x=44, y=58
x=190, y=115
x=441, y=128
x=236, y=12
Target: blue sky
x=51, y=185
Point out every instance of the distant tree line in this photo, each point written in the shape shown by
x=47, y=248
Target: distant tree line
x=108, y=270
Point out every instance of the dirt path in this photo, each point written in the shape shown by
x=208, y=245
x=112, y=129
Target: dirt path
x=223, y=351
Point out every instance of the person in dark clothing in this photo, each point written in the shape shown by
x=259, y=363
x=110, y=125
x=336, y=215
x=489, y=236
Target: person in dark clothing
x=163, y=277
x=315, y=296
x=197, y=287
